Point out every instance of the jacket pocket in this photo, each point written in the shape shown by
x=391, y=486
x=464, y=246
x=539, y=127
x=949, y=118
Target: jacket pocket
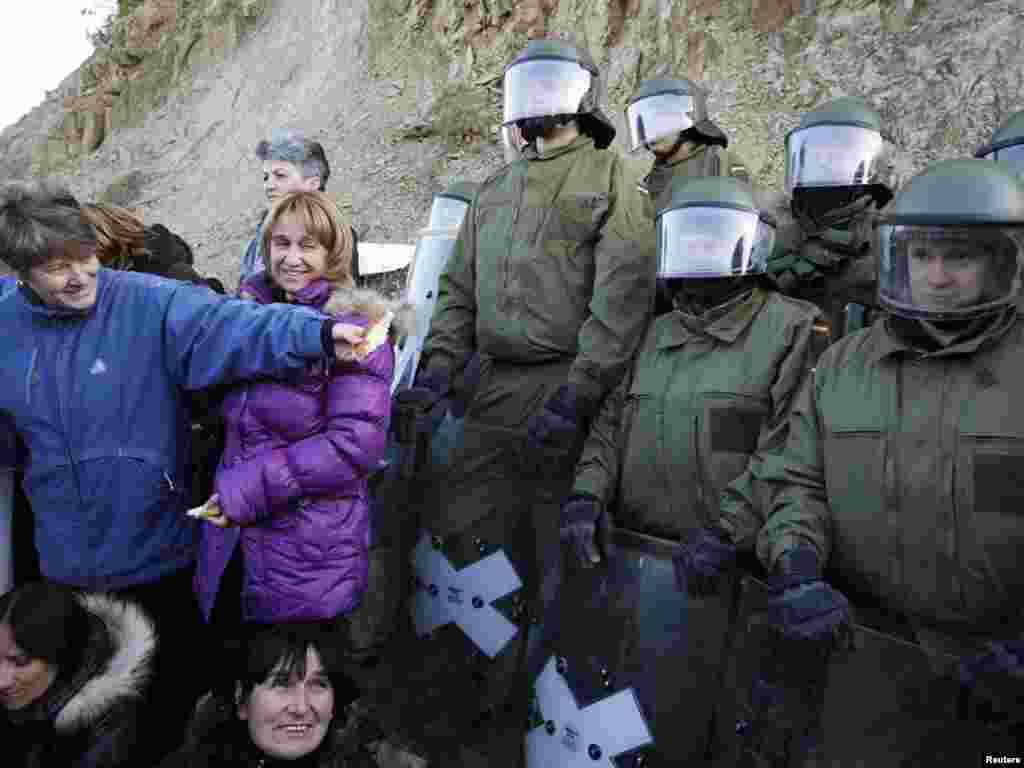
x=989, y=524
x=728, y=428
x=644, y=473
x=860, y=483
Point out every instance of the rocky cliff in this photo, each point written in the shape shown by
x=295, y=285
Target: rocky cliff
x=405, y=94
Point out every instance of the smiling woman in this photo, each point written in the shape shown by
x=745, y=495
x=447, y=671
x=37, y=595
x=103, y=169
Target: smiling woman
x=286, y=531
x=279, y=701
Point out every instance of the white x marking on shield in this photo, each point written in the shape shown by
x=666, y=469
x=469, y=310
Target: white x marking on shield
x=445, y=596
x=572, y=737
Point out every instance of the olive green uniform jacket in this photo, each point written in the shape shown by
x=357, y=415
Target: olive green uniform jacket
x=905, y=470
x=554, y=261
x=552, y=281
x=706, y=160
x=686, y=430
x=831, y=266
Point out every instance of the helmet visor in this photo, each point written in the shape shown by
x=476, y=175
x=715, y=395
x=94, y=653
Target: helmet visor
x=712, y=241
x=544, y=87
x=947, y=273
x=512, y=141
x=658, y=116
x=1011, y=158
x=833, y=156
x=447, y=212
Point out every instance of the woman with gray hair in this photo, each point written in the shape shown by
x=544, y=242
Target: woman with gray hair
x=93, y=366
x=291, y=163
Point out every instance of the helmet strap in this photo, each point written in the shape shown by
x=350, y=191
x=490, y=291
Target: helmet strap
x=666, y=156
x=814, y=221
x=533, y=128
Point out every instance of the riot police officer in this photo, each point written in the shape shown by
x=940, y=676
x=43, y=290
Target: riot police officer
x=1007, y=145
x=551, y=282
x=669, y=118
x=838, y=173
x=707, y=394
x=901, y=473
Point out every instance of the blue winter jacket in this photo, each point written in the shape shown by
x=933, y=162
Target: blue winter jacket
x=8, y=440
x=97, y=398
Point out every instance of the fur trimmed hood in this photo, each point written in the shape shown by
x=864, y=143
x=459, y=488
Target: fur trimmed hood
x=123, y=675
x=374, y=307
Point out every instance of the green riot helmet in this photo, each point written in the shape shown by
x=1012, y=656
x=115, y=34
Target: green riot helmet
x=840, y=146
x=449, y=207
x=666, y=108
x=1007, y=145
x=556, y=80
x=711, y=227
x=950, y=243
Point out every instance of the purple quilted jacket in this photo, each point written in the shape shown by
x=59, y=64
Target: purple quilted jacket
x=294, y=474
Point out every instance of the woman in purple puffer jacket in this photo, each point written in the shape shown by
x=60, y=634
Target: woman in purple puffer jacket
x=286, y=532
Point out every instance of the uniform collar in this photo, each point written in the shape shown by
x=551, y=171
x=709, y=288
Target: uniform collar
x=675, y=329
x=578, y=143
x=896, y=337
x=697, y=152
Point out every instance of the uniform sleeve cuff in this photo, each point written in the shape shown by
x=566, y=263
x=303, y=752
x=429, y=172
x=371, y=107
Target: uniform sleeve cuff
x=327, y=340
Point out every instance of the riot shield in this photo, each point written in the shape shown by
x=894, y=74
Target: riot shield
x=408, y=467
x=432, y=253
x=628, y=664
x=888, y=703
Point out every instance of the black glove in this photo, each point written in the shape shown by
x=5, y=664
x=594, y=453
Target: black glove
x=560, y=421
x=995, y=681
x=421, y=408
x=701, y=560
x=583, y=520
x=803, y=608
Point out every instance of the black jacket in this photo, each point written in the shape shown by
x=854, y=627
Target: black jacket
x=93, y=717
x=216, y=738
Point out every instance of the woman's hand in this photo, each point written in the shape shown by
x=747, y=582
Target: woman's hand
x=353, y=342
x=347, y=334
x=211, y=512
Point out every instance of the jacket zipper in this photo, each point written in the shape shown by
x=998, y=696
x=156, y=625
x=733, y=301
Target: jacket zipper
x=64, y=430
x=512, y=233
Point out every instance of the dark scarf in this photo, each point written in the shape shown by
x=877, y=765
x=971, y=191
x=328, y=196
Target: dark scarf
x=229, y=745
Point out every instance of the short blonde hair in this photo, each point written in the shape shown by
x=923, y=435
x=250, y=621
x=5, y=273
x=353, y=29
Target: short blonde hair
x=321, y=219
x=120, y=234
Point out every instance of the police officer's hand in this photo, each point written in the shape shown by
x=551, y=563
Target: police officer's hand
x=421, y=408
x=995, y=680
x=586, y=527
x=803, y=608
x=559, y=422
x=701, y=560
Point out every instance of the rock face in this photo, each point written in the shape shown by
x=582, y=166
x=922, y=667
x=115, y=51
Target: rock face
x=395, y=89
x=942, y=73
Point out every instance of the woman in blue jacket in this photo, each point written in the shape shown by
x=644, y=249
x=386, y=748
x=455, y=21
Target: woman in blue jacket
x=93, y=366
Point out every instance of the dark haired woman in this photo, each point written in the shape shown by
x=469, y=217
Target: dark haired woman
x=279, y=701
x=74, y=674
